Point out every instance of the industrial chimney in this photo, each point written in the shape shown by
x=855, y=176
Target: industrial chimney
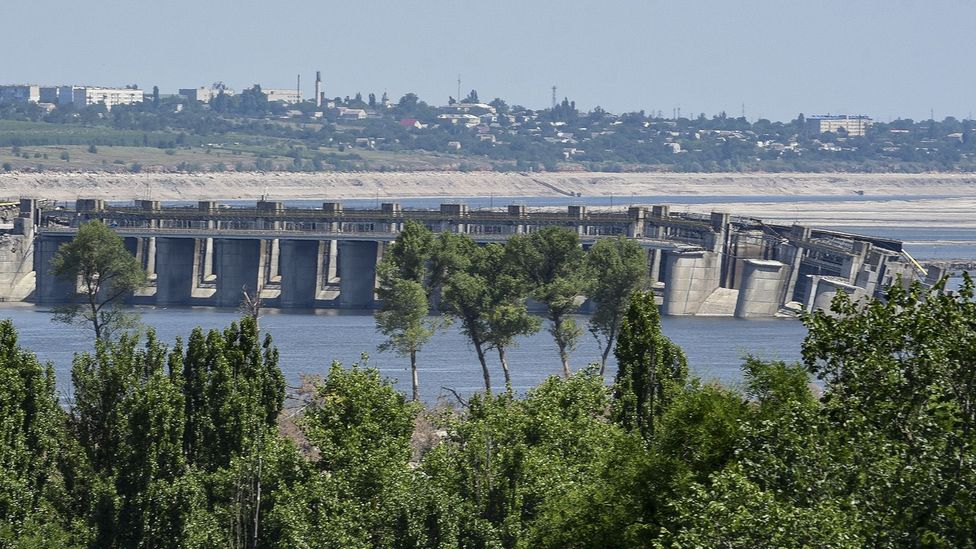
x=318, y=89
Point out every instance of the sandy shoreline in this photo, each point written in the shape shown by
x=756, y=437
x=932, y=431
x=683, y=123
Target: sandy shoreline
x=903, y=200
x=289, y=186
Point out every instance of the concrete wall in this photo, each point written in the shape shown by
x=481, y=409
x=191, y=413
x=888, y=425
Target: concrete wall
x=690, y=278
x=174, y=270
x=237, y=265
x=16, y=267
x=760, y=289
x=357, y=273
x=50, y=289
x=299, y=273
x=822, y=290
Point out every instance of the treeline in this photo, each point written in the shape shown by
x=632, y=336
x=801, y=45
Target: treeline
x=486, y=290
x=195, y=446
x=514, y=138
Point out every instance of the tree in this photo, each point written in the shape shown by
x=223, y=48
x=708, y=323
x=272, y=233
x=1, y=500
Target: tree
x=105, y=271
x=466, y=297
x=507, y=317
x=472, y=97
x=616, y=270
x=552, y=261
x=651, y=369
x=900, y=395
x=34, y=504
x=402, y=319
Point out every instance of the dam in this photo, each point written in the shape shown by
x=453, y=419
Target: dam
x=207, y=254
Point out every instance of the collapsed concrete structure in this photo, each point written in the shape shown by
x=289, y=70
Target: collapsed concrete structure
x=326, y=257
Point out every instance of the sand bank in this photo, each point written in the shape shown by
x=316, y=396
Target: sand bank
x=289, y=186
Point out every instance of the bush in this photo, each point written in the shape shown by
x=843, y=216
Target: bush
x=65, y=156
x=93, y=149
x=7, y=167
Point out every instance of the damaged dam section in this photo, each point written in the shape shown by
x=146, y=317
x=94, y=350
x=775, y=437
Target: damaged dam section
x=309, y=258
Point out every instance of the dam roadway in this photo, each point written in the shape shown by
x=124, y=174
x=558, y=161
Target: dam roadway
x=327, y=257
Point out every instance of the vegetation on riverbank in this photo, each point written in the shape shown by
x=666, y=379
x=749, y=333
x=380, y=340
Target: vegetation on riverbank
x=202, y=445
x=174, y=134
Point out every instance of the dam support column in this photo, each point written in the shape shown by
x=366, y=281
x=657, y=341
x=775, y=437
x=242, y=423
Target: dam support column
x=50, y=288
x=238, y=270
x=691, y=277
x=821, y=291
x=761, y=288
x=174, y=277
x=357, y=273
x=299, y=273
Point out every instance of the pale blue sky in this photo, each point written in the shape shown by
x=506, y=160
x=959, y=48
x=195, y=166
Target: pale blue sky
x=884, y=58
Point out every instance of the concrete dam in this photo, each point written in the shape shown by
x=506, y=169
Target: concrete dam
x=306, y=258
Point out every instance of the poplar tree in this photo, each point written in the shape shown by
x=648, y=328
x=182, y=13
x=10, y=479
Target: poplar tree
x=651, y=369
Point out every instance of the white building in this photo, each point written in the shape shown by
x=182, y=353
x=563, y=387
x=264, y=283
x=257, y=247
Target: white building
x=283, y=95
x=84, y=96
x=20, y=93
x=855, y=126
x=204, y=94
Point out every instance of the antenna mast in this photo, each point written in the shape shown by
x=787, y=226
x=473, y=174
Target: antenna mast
x=459, y=88
x=298, y=89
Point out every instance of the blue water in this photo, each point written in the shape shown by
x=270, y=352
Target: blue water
x=309, y=342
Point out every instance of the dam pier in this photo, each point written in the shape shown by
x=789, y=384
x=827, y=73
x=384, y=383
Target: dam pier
x=326, y=257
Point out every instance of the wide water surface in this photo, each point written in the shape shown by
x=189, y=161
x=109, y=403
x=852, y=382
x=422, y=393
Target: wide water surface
x=309, y=342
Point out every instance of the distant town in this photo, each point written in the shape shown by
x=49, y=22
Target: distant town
x=216, y=128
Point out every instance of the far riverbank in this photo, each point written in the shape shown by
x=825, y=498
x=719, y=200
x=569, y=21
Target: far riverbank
x=391, y=185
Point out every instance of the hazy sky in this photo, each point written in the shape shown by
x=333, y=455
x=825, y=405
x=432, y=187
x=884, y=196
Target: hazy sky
x=884, y=58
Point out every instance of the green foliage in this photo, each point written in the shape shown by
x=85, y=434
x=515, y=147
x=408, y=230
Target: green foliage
x=651, y=369
x=105, y=272
x=508, y=457
x=181, y=447
x=552, y=262
x=616, y=269
x=32, y=428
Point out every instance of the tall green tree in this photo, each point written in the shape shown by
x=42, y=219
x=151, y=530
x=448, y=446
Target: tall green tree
x=402, y=318
x=900, y=391
x=106, y=272
x=466, y=297
x=35, y=506
x=617, y=268
x=508, y=317
x=552, y=260
x=651, y=369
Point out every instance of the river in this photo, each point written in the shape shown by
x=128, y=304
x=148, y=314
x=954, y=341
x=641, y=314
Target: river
x=310, y=341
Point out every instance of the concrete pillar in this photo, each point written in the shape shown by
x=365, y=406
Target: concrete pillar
x=654, y=270
x=822, y=290
x=151, y=257
x=760, y=288
x=50, y=288
x=174, y=278
x=299, y=273
x=357, y=273
x=208, y=271
x=691, y=277
x=274, y=262
x=238, y=263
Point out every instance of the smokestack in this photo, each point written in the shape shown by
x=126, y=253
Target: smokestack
x=318, y=89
